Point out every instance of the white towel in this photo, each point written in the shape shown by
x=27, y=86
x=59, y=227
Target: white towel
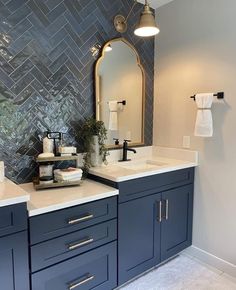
x=58, y=178
x=204, y=123
x=66, y=175
x=113, y=119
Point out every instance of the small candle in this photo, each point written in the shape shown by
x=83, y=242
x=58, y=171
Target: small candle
x=48, y=146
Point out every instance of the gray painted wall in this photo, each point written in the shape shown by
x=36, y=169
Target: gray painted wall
x=195, y=52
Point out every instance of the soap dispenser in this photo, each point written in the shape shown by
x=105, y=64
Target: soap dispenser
x=117, y=142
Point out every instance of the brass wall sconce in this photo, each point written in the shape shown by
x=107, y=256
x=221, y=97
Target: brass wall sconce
x=147, y=25
x=95, y=49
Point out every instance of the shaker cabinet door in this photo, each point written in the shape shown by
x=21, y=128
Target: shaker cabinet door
x=138, y=236
x=176, y=226
x=14, y=269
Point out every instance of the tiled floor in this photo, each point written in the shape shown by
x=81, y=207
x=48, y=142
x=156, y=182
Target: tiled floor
x=183, y=273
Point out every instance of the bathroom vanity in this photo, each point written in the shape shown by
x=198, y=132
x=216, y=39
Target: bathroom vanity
x=101, y=234
x=155, y=213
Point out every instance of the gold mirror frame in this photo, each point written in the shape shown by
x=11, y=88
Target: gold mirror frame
x=97, y=88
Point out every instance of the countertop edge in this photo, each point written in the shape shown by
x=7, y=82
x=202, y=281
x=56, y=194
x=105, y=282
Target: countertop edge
x=52, y=208
x=14, y=200
x=145, y=174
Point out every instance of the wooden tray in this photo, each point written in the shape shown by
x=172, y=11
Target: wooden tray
x=57, y=158
x=38, y=186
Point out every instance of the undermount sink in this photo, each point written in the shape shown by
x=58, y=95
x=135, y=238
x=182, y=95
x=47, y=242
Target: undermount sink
x=141, y=165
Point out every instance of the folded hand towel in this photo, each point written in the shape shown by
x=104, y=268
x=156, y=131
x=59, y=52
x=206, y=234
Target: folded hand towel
x=67, y=176
x=71, y=172
x=204, y=123
x=59, y=178
x=113, y=119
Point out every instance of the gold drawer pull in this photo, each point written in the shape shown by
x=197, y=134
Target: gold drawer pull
x=75, y=285
x=80, y=244
x=84, y=218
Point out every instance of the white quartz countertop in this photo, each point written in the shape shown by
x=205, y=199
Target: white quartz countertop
x=45, y=201
x=10, y=193
x=146, y=163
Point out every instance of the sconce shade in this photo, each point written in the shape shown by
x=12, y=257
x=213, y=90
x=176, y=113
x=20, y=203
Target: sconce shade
x=147, y=25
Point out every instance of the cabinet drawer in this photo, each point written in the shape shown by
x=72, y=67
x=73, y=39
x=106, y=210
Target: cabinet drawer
x=62, y=248
x=55, y=224
x=93, y=270
x=140, y=187
x=13, y=219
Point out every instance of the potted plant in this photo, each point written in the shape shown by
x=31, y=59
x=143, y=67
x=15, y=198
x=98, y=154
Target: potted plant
x=93, y=135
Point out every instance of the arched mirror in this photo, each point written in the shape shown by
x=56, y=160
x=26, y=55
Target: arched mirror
x=120, y=92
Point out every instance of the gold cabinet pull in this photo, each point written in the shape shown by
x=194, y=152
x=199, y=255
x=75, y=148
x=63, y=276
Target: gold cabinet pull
x=167, y=209
x=80, y=244
x=75, y=285
x=160, y=211
x=78, y=220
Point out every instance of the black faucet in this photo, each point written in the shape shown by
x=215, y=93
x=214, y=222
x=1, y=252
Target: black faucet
x=125, y=151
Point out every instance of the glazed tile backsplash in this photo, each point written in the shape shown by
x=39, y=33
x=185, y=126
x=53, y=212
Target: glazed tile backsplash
x=47, y=72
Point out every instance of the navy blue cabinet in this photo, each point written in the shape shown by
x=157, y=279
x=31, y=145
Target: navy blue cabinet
x=139, y=236
x=14, y=266
x=75, y=248
x=93, y=270
x=54, y=224
x=13, y=219
x=61, y=248
x=176, y=226
x=154, y=221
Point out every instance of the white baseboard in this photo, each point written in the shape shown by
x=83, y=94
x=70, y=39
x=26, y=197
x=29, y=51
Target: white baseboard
x=212, y=260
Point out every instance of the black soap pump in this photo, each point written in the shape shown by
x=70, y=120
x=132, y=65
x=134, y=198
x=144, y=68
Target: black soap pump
x=117, y=142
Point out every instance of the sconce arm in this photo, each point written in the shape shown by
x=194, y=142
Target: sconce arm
x=132, y=8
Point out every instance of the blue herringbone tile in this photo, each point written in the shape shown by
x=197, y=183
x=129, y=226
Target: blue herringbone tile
x=47, y=71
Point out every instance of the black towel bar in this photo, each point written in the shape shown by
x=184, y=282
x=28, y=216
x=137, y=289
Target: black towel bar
x=219, y=95
x=122, y=102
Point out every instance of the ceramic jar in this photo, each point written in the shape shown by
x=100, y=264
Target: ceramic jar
x=96, y=158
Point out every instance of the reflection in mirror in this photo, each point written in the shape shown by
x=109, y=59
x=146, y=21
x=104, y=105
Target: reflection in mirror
x=120, y=92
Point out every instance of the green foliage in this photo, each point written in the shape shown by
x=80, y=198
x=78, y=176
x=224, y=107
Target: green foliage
x=91, y=127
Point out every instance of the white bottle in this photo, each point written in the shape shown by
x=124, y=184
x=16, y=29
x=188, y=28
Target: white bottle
x=48, y=145
x=2, y=171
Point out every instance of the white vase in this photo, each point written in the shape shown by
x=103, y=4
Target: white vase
x=96, y=158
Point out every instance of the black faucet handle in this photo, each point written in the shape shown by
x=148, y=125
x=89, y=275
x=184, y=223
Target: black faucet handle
x=125, y=140
x=117, y=142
